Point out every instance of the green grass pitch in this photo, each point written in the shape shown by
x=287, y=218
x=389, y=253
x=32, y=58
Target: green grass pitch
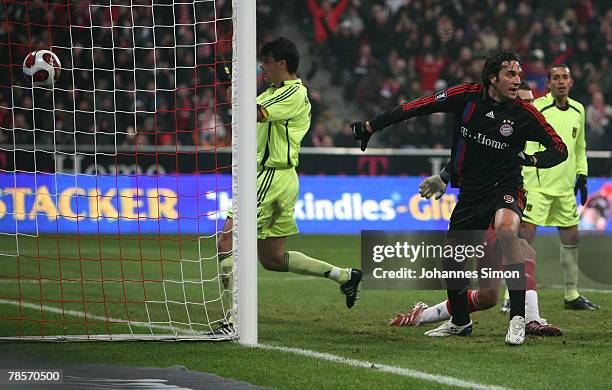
x=294, y=311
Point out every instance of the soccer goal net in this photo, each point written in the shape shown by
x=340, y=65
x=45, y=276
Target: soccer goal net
x=115, y=180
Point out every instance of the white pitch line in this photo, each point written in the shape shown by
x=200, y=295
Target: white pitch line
x=441, y=379
x=268, y=279
x=80, y=314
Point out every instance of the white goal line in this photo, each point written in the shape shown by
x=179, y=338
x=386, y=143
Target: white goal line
x=401, y=371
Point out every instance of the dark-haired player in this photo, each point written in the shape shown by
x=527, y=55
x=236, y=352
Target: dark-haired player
x=485, y=297
x=491, y=130
x=283, y=118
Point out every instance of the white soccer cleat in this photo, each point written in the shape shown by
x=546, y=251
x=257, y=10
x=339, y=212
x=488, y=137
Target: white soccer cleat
x=412, y=318
x=516, y=331
x=450, y=329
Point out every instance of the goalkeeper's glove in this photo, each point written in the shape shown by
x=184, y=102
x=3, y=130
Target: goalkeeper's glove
x=581, y=185
x=526, y=159
x=361, y=134
x=223, y=70
x=433, y=185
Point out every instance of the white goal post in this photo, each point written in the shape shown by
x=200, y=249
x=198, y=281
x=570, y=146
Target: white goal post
x=92, y=245
x=245, y=172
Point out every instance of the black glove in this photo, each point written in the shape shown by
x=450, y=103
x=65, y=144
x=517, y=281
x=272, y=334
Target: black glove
x=361, y=134
x=526, y=159
x=223, y=70
x=581, y=184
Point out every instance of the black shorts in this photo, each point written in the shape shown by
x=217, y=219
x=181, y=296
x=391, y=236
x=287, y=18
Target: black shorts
x=468, y=225
x=470, y=215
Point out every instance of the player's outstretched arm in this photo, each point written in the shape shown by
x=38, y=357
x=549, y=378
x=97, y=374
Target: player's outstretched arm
x=451, y=100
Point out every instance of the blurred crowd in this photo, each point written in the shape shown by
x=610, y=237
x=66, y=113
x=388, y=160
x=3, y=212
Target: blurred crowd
x=131, y=75
x=145, y=74
x=382, y=53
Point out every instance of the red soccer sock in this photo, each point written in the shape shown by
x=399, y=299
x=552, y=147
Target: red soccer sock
x=473, y=302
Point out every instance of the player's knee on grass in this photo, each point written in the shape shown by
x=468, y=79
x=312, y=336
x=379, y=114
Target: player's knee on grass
x=488, y=298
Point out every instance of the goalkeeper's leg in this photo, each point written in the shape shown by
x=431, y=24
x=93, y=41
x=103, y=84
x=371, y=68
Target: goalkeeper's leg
x=226, y=263
x=276, y=221
x=274, y=257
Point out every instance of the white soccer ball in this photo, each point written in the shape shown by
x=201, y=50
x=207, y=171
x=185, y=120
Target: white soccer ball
x=43, y=67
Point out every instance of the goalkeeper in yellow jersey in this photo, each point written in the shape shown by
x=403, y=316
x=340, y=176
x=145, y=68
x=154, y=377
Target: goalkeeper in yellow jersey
x=283, y=118
x=551, y=193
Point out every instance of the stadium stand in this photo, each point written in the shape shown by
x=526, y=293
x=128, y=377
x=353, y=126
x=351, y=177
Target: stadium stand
x=379, y=53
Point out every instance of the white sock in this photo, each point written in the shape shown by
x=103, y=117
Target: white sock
x=435, y=313
x=335, y=273
x=532, y=311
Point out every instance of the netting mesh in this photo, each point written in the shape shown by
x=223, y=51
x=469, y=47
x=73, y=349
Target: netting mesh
x=112, y=189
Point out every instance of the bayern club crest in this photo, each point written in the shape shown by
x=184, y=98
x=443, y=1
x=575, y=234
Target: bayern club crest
x=508, y=198
x=506, y=128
